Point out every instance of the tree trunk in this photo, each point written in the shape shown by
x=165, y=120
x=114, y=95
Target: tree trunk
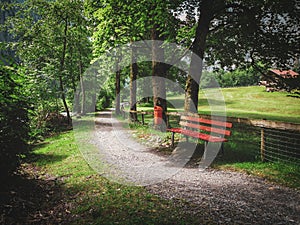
x=133, y=76
x=158, y=72
x=82, y=106
x=198, y=47
x=61, y=69
x=76, y=106
x=118, y=85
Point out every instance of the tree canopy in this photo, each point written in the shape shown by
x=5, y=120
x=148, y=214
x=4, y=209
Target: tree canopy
x=52, y=44
x=242, y=33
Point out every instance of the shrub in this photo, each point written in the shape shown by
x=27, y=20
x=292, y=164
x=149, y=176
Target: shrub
x=14, y=120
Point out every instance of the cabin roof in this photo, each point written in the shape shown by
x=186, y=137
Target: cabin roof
x=285, y=73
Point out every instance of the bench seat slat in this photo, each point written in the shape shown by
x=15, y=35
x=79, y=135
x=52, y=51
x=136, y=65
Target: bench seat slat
x=175, y=130
x=207, y=121
x=195, y=134
x=202, y=136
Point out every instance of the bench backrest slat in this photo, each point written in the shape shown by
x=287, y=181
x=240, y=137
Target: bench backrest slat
x=205, y=128
x=212, y=126
x=207, y=121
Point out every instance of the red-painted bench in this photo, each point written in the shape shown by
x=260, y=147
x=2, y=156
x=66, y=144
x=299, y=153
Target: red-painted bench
x=204, y=129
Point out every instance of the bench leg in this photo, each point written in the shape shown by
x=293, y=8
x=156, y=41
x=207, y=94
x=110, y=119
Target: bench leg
x=222, y=148
x=187, y=138
x=205, y=149
x=205, y=145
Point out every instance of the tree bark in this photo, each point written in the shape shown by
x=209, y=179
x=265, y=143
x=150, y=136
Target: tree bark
x=61, y=69
x=207, y=10
x=76, y=106
x=83, y=99
x=158, y=72
x=118, y=85
x=133, y=77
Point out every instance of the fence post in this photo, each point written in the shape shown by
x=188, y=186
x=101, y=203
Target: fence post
x=123, y=113
x=262, y=144
x=168, y=118
x=143, y=121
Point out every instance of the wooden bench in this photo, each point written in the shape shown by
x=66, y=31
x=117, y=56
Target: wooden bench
x=203, y=129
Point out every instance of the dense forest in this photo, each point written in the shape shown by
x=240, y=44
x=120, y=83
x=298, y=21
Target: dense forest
x=46, y=47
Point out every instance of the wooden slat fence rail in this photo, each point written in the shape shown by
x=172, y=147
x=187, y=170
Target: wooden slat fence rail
x=280, y=141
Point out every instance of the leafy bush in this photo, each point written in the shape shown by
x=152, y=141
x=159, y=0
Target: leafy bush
x=236, y=78
x=14, y=122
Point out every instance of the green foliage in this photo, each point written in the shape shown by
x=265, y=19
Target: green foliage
x=14, y=124
x=235, y=78
x=247, y=32
x=51, y=40
x=105, y=98
x=238, y=78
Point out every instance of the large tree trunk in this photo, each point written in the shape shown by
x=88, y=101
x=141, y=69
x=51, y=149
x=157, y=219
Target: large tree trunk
x=198, y=47
x=158, y=73
x=133, y=77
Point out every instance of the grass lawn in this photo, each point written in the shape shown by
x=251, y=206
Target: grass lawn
x=255, y=102
x=246, y=102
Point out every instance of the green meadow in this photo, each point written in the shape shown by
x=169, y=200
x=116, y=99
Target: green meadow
x=243, y=102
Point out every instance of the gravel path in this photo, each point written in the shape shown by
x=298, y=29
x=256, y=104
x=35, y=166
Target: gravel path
x=220, y=197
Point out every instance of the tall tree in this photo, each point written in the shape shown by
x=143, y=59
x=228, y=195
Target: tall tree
x=48, y=32
x=241, y=32
x=112, y=30
x=133, y=85
x=163, y=26
x=122, y=21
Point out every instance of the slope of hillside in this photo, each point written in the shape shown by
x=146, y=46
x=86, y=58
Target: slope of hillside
x=250, y=102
